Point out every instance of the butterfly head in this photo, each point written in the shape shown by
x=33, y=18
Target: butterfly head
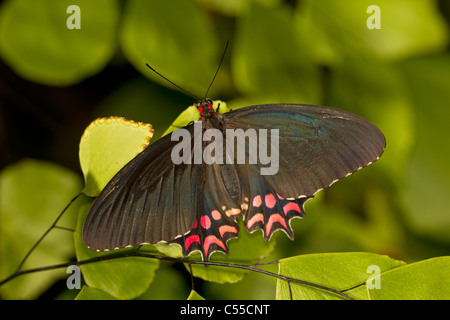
x=205, y=107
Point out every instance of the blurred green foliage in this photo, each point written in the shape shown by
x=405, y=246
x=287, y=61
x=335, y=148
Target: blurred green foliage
x=309, y=52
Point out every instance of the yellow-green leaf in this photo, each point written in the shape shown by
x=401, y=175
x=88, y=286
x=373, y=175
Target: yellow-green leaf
x=106, y=146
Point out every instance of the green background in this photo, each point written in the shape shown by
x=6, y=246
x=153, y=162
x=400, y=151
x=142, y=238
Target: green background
x=55, y=81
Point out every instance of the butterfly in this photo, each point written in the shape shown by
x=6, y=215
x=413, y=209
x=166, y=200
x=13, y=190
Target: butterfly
x=196, y=203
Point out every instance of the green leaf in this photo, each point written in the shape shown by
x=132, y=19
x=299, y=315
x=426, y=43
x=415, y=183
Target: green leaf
x=88, y=293
x=408, y=28
x=254, y=286
x=235, y=7
x=32, y=195
x=172, y=250
x=195, y=296
x=174, y=37
x=423, y=280
x=169, y=284
x=36, y=43
x=106, y=146
x=338, y=271
x=424, y=195
x=275, y=65
x=188, y=115
x=123, y=278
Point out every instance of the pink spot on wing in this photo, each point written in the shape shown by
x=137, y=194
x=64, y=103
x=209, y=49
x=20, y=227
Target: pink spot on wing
x=205, y=222
x=270, y=200
x=257, y=217
x=279, y=197
x=195, y=225
x=274, y=218
x=257, y=201
x=209, y=240
x=191, y=239
x=226, y=228
x=216, y=215
x=291, y=206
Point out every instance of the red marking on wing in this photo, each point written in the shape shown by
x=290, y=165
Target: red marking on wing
x=257, y=201
x=270, y=200
x=291, y=206
x=257, y=217
x=210, y=240
x=279, y=197
x=189, y=240
x=205, y=222
x=216, y=215
x=274, y=218
x=226, y=228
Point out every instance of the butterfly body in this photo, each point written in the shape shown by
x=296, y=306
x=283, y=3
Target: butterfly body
x=196, y=204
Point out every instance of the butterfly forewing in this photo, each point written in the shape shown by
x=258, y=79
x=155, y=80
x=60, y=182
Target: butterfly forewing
x=149, y=200
x=317, y=145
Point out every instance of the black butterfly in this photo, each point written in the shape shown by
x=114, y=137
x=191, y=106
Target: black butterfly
x=153, y=200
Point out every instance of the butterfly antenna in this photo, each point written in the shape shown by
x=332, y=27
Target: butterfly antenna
x=159, y=74
x=217, y=71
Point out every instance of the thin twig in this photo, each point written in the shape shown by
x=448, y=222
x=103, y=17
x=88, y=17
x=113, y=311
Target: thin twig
x=64, y=228
x=290, y=289
x=192, y=277
x=354, y=287
x=46, y=232
x=135, y=253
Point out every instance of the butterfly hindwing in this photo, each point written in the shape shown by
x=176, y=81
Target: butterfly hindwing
x=214, y=225
x=268, y=210
x=220, y=203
